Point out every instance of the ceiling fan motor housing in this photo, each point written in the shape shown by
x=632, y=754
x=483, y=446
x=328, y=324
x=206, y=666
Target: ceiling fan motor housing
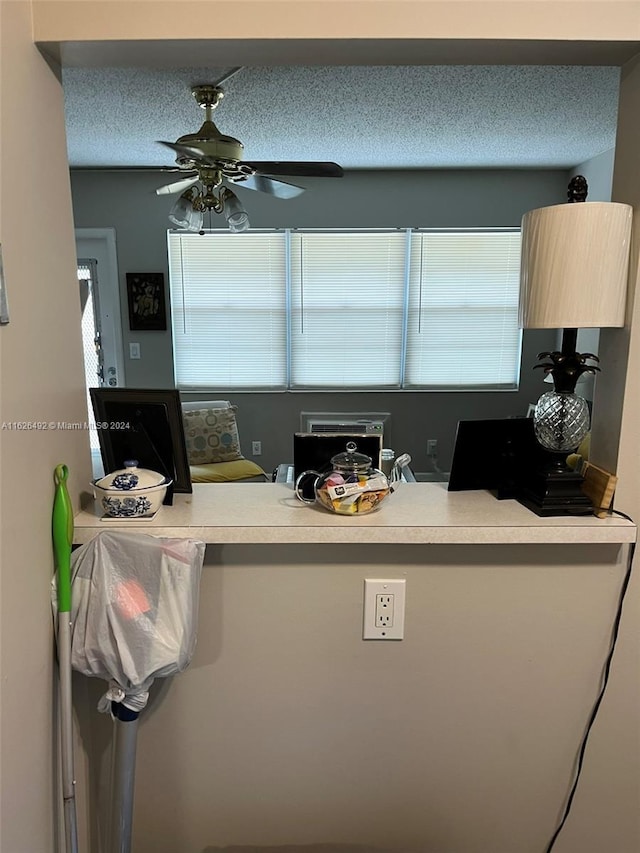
x=212, y=143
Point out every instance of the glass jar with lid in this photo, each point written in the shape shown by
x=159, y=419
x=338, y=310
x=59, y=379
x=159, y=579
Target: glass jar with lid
x=353, y=486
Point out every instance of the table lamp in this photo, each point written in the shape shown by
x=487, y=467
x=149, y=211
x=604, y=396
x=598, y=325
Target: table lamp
x=573, y=275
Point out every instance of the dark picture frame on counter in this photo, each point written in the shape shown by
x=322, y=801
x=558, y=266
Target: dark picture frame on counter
x=146, y=300
x=146, y=425
x=495, y=454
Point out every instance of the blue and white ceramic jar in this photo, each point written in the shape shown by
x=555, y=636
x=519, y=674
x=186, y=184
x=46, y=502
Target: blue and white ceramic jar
x=131, y=492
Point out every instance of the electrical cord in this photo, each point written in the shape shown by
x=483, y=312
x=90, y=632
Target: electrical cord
x=605, y=680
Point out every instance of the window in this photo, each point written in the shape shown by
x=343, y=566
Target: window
x=463, y=310
x=347, y=306
x=269, y=310
x=228, y=304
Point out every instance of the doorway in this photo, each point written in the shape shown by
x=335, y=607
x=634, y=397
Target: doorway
x=101, y=327
x=99, y=245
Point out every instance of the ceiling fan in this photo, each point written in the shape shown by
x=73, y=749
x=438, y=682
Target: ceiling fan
x=216, y=161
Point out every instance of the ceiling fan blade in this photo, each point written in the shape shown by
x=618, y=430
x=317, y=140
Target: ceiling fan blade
x=227, y=76
x=177, y=186
x=300, y=168
x=264, y=184
x=189, y=151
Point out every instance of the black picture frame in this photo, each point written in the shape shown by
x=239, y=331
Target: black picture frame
x=143, y=424
x=494, y=454
x=146, y=300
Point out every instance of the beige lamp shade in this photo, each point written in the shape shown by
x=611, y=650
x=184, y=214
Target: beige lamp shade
x=574, y=265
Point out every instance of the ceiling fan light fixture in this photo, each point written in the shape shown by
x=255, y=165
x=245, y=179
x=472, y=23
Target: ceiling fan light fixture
x=210, y=158
x=235, y=214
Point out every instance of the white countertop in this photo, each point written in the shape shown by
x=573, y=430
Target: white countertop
x=256, y=513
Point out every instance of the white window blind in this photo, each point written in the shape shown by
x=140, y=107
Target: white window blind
x=228, y=310
x=462, y=329
x=346, y=309
x=347, y=305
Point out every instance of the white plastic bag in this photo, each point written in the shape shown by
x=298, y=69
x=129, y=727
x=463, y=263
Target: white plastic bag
x=134, y=611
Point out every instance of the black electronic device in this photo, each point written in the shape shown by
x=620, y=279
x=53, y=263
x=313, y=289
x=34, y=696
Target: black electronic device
x=313, y=452
x=146, y=425
x=496, y=454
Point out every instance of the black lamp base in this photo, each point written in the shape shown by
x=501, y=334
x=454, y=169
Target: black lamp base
x=555, y=492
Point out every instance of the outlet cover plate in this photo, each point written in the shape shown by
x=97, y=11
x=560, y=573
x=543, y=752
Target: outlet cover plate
x=374, y=587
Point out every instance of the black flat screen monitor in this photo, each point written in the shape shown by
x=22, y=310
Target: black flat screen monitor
x=494, y=454
x=313, y=452
x=143, y=424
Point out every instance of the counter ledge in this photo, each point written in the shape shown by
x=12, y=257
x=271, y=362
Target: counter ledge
x=415, y=513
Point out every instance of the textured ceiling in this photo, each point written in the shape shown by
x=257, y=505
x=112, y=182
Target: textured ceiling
x=403, y=117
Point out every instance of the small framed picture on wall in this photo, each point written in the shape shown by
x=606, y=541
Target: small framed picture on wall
x=145, y=295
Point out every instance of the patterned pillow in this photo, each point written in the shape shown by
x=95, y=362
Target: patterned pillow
x=211, y=436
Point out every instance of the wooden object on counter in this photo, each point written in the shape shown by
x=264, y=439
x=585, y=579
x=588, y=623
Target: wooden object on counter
x=599, y=485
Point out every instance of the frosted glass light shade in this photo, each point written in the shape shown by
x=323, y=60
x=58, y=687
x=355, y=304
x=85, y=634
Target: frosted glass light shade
x=235, y=214
x=574, y=265
x=184, y=215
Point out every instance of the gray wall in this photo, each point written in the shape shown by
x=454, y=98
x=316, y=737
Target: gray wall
x=288, y=730
x=599, y=174
x=127, y=201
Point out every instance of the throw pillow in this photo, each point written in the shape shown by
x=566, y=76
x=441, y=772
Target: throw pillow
x=211, y=436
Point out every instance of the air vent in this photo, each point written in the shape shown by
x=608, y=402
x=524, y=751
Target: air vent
x=336, y=422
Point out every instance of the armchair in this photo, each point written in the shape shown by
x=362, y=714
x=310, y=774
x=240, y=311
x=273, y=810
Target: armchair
x=213, y=444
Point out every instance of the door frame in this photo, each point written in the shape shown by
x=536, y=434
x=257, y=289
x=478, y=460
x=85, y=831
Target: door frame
x=108, y=293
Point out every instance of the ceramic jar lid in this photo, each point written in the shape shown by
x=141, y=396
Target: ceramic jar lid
x=131, y=477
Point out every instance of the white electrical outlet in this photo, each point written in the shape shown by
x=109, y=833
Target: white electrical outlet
x=384, y=609
x=256, y=448
x=134, y=350
x=432, y=446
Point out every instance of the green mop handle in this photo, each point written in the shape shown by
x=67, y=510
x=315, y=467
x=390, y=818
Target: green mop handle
x=62, y=541
x=62, y=537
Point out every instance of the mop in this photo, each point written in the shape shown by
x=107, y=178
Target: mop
x=134, y=611
x=62, y=541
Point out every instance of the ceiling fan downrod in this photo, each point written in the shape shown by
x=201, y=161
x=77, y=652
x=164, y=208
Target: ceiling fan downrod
x=207, y=97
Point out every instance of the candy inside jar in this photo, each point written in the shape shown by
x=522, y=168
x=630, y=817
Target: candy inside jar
x=352, y=487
